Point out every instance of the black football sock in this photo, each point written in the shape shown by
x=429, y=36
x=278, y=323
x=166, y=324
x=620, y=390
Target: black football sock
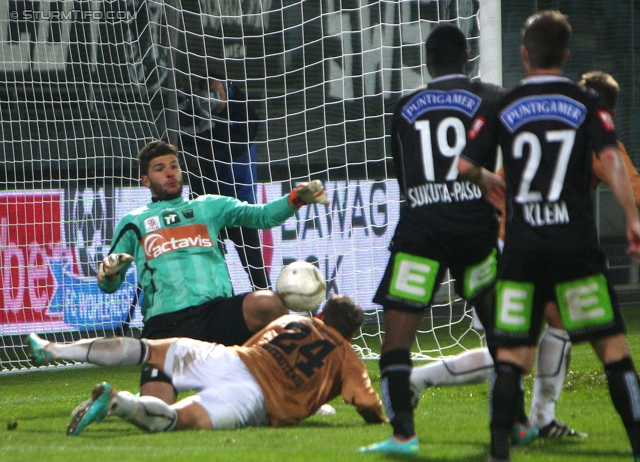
x=506, y=402
x=523, y=418
x=625, y=394
x=395, y=368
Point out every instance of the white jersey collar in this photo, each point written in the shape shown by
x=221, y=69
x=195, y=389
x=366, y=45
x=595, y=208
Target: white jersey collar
x=449, y=77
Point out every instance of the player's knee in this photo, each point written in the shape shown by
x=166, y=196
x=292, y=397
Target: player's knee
x=268, y=304
x=552, y=315
x=191, y=416
x=160, y=390
x=522, y=357
x=261, y=307
x=611, y=349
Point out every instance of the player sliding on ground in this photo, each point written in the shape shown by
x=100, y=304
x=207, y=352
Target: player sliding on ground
x=280, y=376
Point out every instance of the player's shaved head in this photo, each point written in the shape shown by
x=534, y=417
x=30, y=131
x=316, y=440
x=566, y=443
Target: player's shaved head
x=545, y=36
x=446, y=49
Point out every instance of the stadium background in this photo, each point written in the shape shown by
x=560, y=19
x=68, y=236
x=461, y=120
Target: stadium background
x=96, y=75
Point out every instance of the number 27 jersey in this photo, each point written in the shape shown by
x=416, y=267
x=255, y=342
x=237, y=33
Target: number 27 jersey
x=547, y=127
x=428, y=134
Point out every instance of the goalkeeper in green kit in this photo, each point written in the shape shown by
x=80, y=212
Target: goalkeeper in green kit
x=185, y=279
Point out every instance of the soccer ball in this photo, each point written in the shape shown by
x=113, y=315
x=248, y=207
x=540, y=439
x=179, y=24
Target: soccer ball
x=301, y=286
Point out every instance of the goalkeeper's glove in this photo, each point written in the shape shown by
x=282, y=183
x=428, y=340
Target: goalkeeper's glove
x=309, y=193
x=112, y=264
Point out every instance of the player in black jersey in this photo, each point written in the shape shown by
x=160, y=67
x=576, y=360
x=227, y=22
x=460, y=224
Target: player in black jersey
x=444, y=220
x=551, y=263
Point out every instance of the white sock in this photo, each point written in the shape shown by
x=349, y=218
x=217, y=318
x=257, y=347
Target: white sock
x=477, y=324
x=146, y=412
x=551, y=368
x=473, y=366
x=117, y=351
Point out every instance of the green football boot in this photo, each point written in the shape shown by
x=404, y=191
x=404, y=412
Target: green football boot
x=37, y=350
x=393, y=445
x=94, y=409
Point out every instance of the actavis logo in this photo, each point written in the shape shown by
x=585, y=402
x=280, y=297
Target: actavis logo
x=170, y=239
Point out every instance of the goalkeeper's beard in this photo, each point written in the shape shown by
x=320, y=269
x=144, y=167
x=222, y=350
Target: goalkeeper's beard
x=158, y=191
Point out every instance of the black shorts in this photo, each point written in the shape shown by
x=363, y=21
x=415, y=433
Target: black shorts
x=220, y=321
x=417, y=267
x=577, y=280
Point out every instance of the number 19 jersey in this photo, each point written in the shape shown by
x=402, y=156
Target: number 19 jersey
x=428, y=134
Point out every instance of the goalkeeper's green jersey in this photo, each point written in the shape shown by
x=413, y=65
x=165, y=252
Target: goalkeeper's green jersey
x=174, y=244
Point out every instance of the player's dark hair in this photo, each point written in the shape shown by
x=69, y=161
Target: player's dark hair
x=152, y=150
x=343, y=314
x=446, y=50
x=605, y=85
x=545, y=35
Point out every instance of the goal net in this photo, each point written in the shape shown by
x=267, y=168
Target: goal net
x=85, y=84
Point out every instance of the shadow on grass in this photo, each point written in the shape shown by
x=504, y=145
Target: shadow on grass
x=324, y=424
x=573, y=448
x=424, y=457
x=49, y=414
x=103, y=433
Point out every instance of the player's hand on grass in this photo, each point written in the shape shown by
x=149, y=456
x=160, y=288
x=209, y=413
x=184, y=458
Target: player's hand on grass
x=371, y=416
x=309, y=193
x=112, y=264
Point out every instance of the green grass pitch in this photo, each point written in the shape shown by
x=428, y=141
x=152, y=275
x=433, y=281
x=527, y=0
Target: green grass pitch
x=452, y=423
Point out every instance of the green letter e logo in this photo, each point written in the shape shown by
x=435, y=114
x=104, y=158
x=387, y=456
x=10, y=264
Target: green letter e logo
x=514, y=302
x=413, y=277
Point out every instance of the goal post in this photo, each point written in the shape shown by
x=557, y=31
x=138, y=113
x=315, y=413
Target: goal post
x=86, y=84
x=490, y=20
